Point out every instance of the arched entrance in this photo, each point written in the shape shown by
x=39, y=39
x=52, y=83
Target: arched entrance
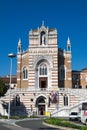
x=41, y=105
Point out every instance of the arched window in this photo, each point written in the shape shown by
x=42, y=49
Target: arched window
x=25, y=73
x=43, y=69
x=17, y=100
x=62, y=73
x=65, y=99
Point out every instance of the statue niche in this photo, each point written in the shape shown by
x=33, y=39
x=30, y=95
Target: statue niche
x=43, y=38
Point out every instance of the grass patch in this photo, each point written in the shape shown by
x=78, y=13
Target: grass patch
x=64, y=123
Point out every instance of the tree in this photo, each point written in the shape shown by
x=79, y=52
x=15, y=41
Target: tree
x=3, y=88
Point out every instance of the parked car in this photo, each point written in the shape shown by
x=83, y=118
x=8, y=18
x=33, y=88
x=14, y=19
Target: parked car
x=73, y=116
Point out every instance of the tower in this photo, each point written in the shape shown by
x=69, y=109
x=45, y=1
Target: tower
x=68, y=63
x=19, y=62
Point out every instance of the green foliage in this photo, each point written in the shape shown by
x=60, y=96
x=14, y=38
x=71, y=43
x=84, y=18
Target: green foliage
x=64, y=123
x=83, y=128
x=3, y=117
x=3, y=88
x=34, y=116
x=18, y=117
x=13, y=117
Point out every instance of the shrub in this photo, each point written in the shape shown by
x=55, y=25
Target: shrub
x=13, y=117
x=3, y=117
x=18, y=117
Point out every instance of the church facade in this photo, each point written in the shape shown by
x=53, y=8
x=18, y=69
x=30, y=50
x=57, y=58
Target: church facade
x=43, y=68
x=43, y=65
x=46, y=83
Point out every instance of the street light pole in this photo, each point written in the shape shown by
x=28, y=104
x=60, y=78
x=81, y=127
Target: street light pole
x=11, y=55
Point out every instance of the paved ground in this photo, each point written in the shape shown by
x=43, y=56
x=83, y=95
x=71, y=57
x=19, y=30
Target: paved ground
x=10, y=125
x=35, y=124
x=31, y=124
x=28, y=124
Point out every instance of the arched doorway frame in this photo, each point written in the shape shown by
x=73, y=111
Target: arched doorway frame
x=41, y=107
x=48, y=61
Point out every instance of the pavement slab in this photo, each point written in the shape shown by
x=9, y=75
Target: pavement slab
x=13, y=127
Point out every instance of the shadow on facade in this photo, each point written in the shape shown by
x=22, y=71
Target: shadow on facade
x=76, y=79
x=17, y=108
x=61, y=68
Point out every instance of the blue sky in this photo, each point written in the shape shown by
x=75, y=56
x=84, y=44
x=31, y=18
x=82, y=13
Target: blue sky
x=17, y=17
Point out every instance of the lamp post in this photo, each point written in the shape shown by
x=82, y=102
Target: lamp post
x=11, y=56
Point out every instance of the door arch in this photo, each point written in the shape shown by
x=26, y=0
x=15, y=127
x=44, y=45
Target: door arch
x=41, y=105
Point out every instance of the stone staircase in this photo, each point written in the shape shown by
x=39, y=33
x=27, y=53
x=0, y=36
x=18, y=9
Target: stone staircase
x=80, y=96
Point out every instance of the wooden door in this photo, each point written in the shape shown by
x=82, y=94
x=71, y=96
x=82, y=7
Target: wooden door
x=43, y=82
